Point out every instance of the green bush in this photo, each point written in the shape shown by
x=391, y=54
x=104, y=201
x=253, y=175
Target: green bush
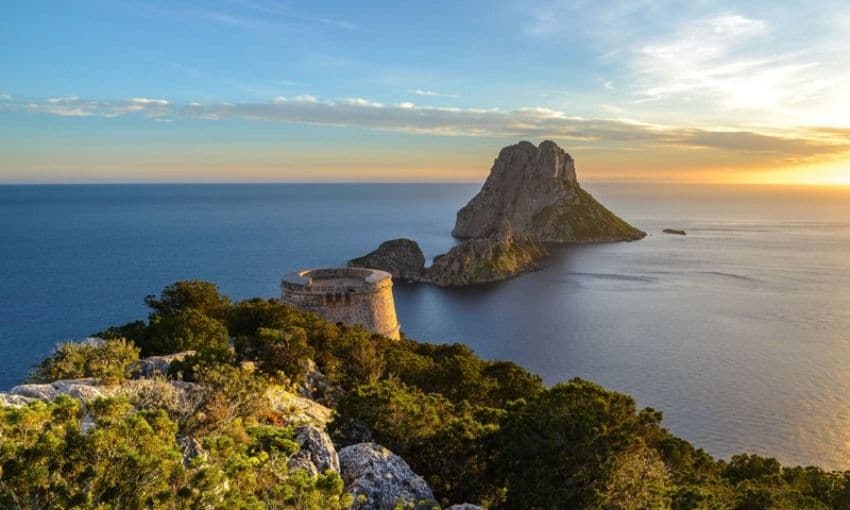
x=131, y=460
x=108, y=361
x=190, y=294
x=277, y=351
x=185, y=330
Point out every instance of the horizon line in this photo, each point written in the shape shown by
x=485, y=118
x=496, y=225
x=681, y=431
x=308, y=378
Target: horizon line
x=366, y=183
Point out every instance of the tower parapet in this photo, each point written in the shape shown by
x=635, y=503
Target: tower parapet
x=352, y=296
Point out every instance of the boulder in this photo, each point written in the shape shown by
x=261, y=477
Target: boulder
x=380, y=480
x=299, y=410
x=485, y=260
x=675, y=231
x=402, y=258
x=81, y=389
x=536, y=190
x=317, y=453
x=9, y=399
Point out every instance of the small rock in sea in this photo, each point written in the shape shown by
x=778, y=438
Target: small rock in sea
x=675, y=231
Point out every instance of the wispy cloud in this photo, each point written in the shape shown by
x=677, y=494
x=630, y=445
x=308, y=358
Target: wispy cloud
x=431, y=93
x=533, y=122
x=722, y=60
x=147, y=101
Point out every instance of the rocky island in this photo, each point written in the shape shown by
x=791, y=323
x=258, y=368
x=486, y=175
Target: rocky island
x=484, y=260
x=531, y=197
x=535, y=189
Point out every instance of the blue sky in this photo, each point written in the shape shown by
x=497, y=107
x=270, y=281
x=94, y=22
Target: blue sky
x=267, y=90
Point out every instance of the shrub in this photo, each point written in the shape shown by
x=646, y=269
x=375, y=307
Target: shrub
x=129, y=460
x=558, y=449
x=191, y=294
x=185, y=330
x=106, y=360
x=277, y=351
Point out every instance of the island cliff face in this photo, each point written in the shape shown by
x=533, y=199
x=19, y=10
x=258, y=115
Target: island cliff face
x=535, y=190
x=491, y=259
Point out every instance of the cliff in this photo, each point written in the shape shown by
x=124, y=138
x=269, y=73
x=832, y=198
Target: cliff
x=536, y=190
x=491, y=259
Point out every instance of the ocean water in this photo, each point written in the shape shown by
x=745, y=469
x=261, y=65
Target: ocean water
x=739, y=332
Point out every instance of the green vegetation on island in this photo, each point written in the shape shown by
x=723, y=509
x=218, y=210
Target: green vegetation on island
x=482, y=432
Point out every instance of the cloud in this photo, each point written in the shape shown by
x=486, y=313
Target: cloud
x=61, y=100
x=431, y=93
x=729, y=60
x=147, y=101
x=528, y=122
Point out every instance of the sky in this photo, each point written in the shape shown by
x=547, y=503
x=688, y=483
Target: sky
x=263, y=90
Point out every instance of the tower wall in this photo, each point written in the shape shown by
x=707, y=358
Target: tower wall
x=352, y=296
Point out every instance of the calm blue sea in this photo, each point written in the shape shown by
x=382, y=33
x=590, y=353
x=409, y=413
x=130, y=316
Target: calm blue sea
x=738, y=332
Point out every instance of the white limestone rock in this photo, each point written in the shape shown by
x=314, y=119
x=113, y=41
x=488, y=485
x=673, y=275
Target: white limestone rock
x=9, y=399
x=82, y=389
x=300, y=410
x=378, y=479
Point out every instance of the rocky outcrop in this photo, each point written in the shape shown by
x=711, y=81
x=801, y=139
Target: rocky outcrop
x=317, y=453
x=300, y=410
x=535, y=189
x=156, y=365
x=491, y=259
x=402, y=258
x=502, y=255
x=81, y=389
x=379, y=480
x=8, y=399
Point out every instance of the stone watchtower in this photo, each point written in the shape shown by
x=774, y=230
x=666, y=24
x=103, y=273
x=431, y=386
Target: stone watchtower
x=352, y=296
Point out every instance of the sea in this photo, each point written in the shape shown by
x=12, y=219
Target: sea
x=739, y=332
